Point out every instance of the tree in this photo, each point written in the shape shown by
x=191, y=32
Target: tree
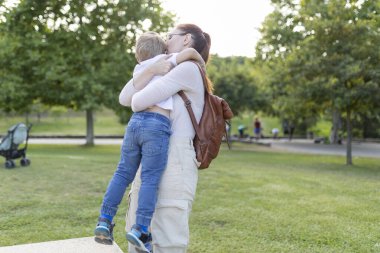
x=84, y=51
x=326, y=58
x=19, y=57
x=234, y=81
x=281, y=36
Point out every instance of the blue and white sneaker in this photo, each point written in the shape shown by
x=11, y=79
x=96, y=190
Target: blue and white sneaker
x=148, y=246
x=104, y=231
x=140, y=240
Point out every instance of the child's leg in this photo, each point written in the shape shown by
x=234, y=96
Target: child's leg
x=153, y=163
x=154, y=149
x=124, y=174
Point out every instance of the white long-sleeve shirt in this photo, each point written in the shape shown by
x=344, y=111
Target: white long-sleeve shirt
x=186, y=77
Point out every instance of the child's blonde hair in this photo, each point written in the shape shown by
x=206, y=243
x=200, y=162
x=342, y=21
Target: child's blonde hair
x=148, y=45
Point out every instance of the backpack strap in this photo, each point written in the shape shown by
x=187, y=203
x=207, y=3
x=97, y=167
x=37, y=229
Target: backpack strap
x=187, y=101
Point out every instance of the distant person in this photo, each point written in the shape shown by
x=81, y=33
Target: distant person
x=285, y=127
x=257, y=128
x=291, y=130
x=275, y=132
x=241, y=129
x=146, y=141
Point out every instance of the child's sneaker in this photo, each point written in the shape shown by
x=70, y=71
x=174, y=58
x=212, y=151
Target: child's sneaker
x=148, y=247
x=104, y=231
x=139, y=239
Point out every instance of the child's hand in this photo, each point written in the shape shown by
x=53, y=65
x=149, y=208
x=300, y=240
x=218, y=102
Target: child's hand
x=161, y=67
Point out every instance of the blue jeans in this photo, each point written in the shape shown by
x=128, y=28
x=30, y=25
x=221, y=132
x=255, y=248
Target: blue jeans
x=146, y=141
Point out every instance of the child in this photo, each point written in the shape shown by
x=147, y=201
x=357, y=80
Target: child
x=146, y=141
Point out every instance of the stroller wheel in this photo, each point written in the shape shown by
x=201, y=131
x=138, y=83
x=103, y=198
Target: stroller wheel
x=25, y=162
x=9, y=164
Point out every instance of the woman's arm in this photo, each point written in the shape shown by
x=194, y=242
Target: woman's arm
x=182, y=77
x=140, y=80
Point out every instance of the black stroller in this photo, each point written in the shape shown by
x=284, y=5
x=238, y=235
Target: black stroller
x=9, y=147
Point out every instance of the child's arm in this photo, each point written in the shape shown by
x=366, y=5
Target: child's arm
x=190, y=54
x=140, y=80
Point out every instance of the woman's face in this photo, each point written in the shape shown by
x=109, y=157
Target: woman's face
x=177, y=40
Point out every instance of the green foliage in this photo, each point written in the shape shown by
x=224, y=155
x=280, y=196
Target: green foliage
x=234, y=81
x=322, y=56
x=73, y=53
x=16, y=70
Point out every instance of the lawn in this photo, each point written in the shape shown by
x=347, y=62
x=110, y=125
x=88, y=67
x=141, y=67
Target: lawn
x=250, y=200
x=70, y=123
x=107, y=123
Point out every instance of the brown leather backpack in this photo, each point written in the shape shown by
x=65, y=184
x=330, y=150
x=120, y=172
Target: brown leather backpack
x=212, y=125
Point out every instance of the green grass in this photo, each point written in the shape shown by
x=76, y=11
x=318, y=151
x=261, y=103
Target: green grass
x=250, y=200
x=105, y=123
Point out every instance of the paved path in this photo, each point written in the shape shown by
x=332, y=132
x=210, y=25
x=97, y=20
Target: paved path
x=358, y=149
x=297, y=145
x=77, y=245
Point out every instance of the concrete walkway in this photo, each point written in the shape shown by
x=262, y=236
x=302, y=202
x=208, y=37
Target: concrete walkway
x=77, y=245
x=359, y=149
x=362, y=149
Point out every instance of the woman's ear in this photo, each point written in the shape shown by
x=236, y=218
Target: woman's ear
x=188, y=39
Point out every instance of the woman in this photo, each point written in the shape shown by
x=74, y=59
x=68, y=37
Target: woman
x=170, y=223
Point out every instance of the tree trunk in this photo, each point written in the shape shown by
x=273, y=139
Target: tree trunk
x=89, y=128
x=349, y=139
x=336, y=125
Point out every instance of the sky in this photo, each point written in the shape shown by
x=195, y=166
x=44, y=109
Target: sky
x=232, y=25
